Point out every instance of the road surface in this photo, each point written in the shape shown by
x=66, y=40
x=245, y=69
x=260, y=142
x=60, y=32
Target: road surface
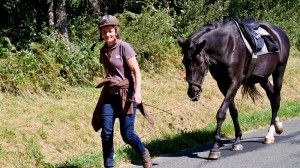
x=285, y=153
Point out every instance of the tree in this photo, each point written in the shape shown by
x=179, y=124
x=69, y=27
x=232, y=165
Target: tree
x=61, y=16
x=51, y=15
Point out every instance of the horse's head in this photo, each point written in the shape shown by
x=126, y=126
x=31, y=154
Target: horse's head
x=196, y=63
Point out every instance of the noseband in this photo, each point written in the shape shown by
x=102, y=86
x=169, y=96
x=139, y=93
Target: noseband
x=194, y=83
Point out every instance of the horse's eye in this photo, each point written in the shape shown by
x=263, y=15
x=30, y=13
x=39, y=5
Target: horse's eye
x=199, y=59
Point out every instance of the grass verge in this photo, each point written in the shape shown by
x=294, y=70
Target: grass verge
x=189, y=139
x=56, y=131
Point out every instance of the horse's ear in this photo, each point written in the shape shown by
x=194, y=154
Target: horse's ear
x=180, y=41
x=200, y=46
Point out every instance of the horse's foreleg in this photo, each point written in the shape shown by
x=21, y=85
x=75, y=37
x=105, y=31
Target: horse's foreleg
x=215, y=151
x=238, y=133
x=229, y=93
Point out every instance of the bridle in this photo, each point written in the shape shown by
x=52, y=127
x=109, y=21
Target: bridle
x=198, y=84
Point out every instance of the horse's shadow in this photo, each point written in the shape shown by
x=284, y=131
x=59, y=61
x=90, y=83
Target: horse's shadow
x=201, y=150
x=169, y=145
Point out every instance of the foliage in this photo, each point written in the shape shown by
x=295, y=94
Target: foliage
x=151, y=34
x=285, y=14
x=138, y=6
x=36, y=58
x=22, y=20
x=49, y=66
x=196, y=13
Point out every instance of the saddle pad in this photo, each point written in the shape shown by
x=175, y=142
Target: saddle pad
x=264, y=49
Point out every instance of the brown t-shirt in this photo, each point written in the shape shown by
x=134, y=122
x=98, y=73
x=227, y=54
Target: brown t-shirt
x=114, y=61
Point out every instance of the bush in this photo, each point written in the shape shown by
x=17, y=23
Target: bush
x=46, y=63
x=286, y=16
x=49, y=66
x=151, y=33
x=281, y=13
x=199, y=12
x=27, y=70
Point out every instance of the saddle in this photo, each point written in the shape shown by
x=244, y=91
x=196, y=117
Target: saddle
x=257, y=40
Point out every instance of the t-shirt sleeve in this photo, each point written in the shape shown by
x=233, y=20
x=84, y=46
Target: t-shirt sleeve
x=128, y=51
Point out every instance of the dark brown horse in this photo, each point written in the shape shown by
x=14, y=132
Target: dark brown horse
x=219, y=49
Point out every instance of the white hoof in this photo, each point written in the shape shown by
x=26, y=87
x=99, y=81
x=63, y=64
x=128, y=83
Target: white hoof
x=278, y=126
x=214, y=155
x=237, y=147
x=269, y=140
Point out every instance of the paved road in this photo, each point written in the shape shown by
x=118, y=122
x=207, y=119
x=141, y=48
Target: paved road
x=285, y=153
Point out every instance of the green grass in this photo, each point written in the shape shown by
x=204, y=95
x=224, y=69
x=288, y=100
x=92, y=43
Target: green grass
x=183, y=140
x=55, y=131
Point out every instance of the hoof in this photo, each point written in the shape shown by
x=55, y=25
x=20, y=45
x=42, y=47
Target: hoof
x=237, y=147
x=214, y=155
x=278, y=128
x=269, y=141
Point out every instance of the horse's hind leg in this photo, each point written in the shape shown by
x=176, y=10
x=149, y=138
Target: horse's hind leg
x=277, y=81
x=238, y=133
x=273, y=93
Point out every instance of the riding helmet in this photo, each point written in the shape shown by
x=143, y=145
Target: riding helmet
x=108, y=20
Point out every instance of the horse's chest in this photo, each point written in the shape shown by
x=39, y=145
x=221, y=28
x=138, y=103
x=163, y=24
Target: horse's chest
x=218, y=72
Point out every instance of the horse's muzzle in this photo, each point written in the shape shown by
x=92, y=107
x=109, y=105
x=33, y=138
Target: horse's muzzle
x=194, y=92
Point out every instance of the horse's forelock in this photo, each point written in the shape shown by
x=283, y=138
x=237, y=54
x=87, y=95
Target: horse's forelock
x=192, y=44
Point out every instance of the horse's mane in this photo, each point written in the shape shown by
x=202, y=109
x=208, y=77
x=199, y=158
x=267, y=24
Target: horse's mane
x=204, y=29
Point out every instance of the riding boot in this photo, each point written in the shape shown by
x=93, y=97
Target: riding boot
x=146, y=159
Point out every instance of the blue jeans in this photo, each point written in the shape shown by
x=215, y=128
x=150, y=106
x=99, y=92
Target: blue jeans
x=111, y=110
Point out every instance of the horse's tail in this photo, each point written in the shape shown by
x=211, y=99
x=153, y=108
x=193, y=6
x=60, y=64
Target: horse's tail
x=250, y=89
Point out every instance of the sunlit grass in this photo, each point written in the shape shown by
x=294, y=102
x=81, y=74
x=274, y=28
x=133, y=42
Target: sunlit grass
x=182, y=140
x=56, y=131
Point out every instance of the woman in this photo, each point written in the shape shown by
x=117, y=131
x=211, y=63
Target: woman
x=121, y=93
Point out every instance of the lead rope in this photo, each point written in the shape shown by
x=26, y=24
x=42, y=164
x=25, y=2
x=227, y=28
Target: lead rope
x=168, y=111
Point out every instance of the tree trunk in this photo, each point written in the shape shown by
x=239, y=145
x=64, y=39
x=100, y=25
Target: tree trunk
x=51, y=15
x=61, y=17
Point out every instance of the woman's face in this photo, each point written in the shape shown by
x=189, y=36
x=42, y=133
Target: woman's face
x=108, y=34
